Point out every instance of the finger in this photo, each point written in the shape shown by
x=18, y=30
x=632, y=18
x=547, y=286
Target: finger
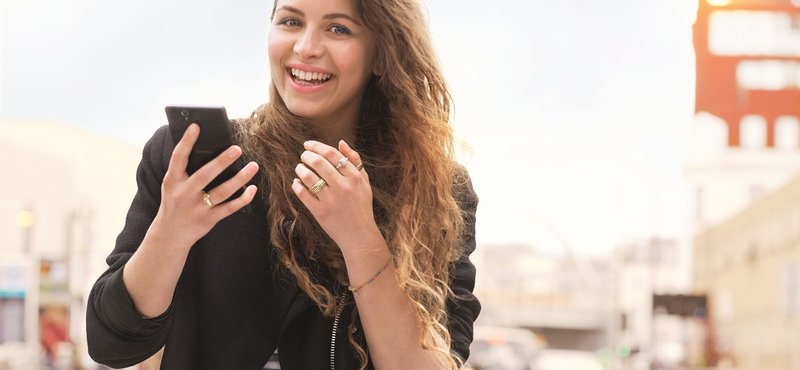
x=229, y=187
x=213, y=168
x=320, y=165
x=328, y=152
x=306, y=176
x=303, y=193
x=180, y=154
x=228, y=208
x=353, y=156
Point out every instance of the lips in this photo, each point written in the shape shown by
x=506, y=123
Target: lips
x=308, y=78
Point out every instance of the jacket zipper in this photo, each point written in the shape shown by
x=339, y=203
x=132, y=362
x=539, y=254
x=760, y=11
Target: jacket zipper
x=336, y=328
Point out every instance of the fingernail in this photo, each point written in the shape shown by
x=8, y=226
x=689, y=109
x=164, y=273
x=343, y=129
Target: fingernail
x=251, y=190
x=344, y=142
x=307, y=144
x=192, y=129
x=232, y=152
x=252, y=167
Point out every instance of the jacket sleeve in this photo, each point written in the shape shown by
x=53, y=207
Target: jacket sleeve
x=117, y=336
x=463, y=307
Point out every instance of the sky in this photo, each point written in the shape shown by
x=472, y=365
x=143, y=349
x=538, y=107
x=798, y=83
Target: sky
x=577, y=113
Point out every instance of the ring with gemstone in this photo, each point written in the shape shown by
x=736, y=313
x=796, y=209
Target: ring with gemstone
x=342, y=163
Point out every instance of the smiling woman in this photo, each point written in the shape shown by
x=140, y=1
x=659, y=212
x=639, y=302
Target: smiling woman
x=321, y=58
x=362, y=228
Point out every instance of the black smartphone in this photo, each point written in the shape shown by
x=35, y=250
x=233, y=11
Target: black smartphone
x=215, y=137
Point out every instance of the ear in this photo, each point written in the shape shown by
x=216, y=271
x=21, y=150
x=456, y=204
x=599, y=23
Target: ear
x=379, y=67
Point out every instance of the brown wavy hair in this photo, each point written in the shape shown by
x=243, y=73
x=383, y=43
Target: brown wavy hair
x=406, y=143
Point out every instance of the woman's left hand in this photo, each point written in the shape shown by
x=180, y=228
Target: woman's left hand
x=343, y=207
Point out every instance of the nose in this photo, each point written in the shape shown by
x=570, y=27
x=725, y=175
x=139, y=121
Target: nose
x=309, y=45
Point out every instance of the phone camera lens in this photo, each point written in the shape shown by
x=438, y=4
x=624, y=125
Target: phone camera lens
x=185, y=113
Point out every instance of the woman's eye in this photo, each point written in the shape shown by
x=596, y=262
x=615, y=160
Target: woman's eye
x=340, y=30
x=291, y=22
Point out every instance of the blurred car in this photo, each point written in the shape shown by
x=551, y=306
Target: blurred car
x=499, y=348
x=560, y=359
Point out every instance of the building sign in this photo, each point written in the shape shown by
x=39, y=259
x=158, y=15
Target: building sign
x=748, y=64
x=13, y=280
x=681, y=305
x=754, y=33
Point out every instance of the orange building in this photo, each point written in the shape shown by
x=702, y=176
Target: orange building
x=745, y=250
x=748, y=65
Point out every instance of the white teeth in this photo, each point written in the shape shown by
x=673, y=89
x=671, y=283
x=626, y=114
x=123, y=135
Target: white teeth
x=299, y=75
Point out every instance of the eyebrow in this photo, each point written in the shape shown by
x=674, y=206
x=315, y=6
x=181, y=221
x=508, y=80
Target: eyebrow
x=327, y=16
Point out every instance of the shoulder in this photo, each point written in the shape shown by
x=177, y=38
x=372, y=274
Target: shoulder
x=463, y=191
x=240, y=127
x=159, y=147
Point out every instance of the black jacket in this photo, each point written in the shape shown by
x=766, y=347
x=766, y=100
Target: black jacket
x=231, y=310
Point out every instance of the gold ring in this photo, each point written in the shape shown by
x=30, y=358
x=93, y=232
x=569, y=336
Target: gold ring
x=317, y=187
x=360, y=166
x=207, y=199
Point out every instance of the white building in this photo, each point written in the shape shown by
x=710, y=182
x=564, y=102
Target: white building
x=726, y=179
x=746, y=137
x=562, y=298
x=641, y=270
x=63, y=199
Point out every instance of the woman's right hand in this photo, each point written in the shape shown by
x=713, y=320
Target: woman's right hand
x=183, y=215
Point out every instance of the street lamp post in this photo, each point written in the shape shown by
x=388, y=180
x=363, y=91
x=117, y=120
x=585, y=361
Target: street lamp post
x=26, y=219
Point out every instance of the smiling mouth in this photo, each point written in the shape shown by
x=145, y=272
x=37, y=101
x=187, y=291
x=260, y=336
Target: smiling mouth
x=304, y=78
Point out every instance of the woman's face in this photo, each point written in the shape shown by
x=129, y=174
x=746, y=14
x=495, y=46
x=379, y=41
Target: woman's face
x=321, y=57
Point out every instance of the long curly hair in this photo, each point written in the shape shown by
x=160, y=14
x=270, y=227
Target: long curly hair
x=407, y=145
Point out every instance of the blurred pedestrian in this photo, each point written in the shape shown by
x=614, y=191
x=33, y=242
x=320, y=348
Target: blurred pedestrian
x=53, y=322
x=352, y=254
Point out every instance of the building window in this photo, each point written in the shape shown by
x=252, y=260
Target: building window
x=753, y=131
x=12, y=320
x=752, y=252
x=787, y=132
x=768, y=75
x=790, y=288
x=756, y=33
x=795, y=221
x=709, y=137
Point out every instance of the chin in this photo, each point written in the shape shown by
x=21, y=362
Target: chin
x=302, y=110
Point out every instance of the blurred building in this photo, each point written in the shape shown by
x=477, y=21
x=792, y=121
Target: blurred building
x=749, y=266
x=644, y=269
x=63, y=201
x=744, y=149
x=564, y=298
x=647, y=273
x=746, y=138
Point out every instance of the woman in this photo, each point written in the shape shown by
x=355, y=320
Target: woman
x=362, y=229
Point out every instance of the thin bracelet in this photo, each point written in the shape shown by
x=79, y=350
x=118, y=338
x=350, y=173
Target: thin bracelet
x=356, y=289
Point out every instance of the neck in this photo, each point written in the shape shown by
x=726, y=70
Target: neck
x=332, y=129
x=331, y=134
